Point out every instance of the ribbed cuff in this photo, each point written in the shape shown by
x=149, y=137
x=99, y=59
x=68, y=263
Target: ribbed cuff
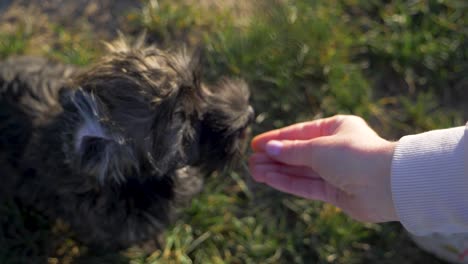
x=429, y=184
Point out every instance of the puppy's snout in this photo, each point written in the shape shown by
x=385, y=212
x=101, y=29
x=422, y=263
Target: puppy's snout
x=246, y=132
x=251, y=113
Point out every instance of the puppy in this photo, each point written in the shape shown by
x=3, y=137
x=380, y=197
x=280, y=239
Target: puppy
x=112, y=149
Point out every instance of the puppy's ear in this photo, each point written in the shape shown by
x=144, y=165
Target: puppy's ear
x=196, y=66
x=188, y=65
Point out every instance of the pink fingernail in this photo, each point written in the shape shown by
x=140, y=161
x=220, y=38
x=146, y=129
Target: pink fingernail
x=273, y=147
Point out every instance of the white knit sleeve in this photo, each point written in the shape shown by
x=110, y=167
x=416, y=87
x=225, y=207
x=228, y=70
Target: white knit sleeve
x=430, y=181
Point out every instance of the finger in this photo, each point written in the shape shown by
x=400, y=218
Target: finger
x=260, y=163
x=259, y=171
x=306, y=153
x=256, y=161
x=310, y=188
x=261, y=158
x=300, y=131
x=304, y=187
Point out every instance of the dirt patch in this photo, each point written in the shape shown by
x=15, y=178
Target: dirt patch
x=103, y=17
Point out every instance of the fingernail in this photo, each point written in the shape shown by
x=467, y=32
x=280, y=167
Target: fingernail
x=273, y=147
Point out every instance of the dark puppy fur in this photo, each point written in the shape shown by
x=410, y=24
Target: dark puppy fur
x=114, y=148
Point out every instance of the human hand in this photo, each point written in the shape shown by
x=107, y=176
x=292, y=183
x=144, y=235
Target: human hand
x=338, y=160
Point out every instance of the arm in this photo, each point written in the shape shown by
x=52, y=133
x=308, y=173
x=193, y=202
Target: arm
x=430, y=181
x=420, y=180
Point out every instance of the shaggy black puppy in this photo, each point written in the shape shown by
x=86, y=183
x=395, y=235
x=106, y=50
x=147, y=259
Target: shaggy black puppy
x=113, y=149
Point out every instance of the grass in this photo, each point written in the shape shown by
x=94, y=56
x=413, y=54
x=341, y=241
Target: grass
x=13, y=43
x=402, y=65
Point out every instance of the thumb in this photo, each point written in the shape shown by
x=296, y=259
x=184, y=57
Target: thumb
x=295, y=152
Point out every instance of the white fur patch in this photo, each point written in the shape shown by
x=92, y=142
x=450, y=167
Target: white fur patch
x=89, y=128
x=88, y=110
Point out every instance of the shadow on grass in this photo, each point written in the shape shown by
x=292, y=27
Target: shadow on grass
x=28, y=237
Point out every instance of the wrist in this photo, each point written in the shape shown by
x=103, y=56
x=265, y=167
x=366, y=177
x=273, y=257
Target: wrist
x=387, y=153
